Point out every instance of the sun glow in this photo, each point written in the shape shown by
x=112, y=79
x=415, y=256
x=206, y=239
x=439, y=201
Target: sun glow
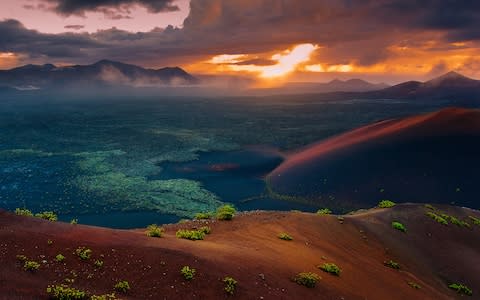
x=286, y=62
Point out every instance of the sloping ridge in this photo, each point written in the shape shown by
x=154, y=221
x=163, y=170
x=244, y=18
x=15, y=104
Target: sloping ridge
x=433, y=155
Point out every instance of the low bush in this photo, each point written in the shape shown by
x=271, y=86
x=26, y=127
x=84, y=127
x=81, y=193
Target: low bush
x=454, y=220
x=64, y=292
x=74, y=221
x=324, y=211
x=226, y=212
x=437, y=218
x=475, y=220
x=203, y=216
x=153, y=230
x=230, y=285
x=414, y=285
x=98, y=263
x=104, y=297
x=31, y=265
x=21, y=257
x=461, y=289
x=59, y=258
x=399, y=226
x=392, y=264
x=285, y=236
x=187, y=272
x=122, y=286
x=307, y=279
x=205, y=229
x=193, y=235
x=386, y=204
x=330, y=268
x=47, y=215
x=23, y=212
x=429, y=206
x=83, y=253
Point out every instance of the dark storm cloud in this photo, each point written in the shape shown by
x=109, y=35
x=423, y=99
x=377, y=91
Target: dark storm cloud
x=348, y=31
x=79, y=7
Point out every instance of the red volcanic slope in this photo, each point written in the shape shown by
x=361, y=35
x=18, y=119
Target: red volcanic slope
x=446, y=122
x=430, y=254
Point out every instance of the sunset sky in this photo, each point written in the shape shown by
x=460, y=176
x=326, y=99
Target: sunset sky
x=296, y=40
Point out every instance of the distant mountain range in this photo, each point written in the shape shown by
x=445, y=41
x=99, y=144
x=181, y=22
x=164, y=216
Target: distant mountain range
x=446, y=86
x=101, y=73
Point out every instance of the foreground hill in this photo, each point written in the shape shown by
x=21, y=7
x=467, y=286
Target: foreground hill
x=430, y=255
x=104, y=72
x=432, y=156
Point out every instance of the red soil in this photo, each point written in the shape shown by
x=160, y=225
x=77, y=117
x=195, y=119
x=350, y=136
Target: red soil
x=247, y=249
x=449, y=121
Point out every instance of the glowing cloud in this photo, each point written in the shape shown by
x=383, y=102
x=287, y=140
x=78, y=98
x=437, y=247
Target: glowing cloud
x=286, y=62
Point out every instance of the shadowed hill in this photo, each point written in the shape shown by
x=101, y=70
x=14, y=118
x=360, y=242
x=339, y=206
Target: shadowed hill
x=430, y=255
x=432, y=156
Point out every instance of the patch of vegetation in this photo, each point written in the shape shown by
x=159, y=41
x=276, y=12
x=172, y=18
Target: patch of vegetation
x=21, y=257
x=455, y=221
x=122, y=286
x=23, y=212
x=98, y=263
x=31, y=265
x=64, y=292
x=475, y=220
x=104, y=297
x=59, y=258
x=307, y=279
x=83, y=252
x=414, y=285
x=399, y=226
x=153, y=230
x=205, y=229
x=230, y=285
x=324, y=211
x=461, y=289
x=203, y=216
x=74, y=221
x=49, y=242
x=386, y=204
x=187, y=272
x=285, y=236
x=193, y=235
x=47, y=215
x=330, y=268
x=429, y=206
x=437, y=218
x=392, y=264
x=226, y=212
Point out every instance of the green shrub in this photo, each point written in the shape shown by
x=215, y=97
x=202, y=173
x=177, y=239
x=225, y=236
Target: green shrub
x=47, y=215
x=122, y=286
x=104, y=297
x=187, y=272
x=414, y=285
x=454, y=220
x=31, y=265
x=392, y=264
x=154, y=231
x=21, y=257
x=205, y=229
x=230, y=285
x=23, y=212
x=74, y=221
x=226, y=212
x=285, y=236
x=386, y=204
x=429, y=206
x=324, y=211
x=98, y=263
x=399, y=226
x=64, y=292
x=461, y=289
x=203, y=216
x=193, y=235
x=49, y=242
x=83, y=253
x=437, y=218
x=307, y=279
x=475, y=221
x=330, y=268
x=59, y=258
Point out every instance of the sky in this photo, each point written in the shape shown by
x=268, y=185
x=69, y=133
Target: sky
x=266, y=40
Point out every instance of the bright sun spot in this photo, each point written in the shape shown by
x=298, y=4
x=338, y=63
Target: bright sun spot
x=285, y=62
